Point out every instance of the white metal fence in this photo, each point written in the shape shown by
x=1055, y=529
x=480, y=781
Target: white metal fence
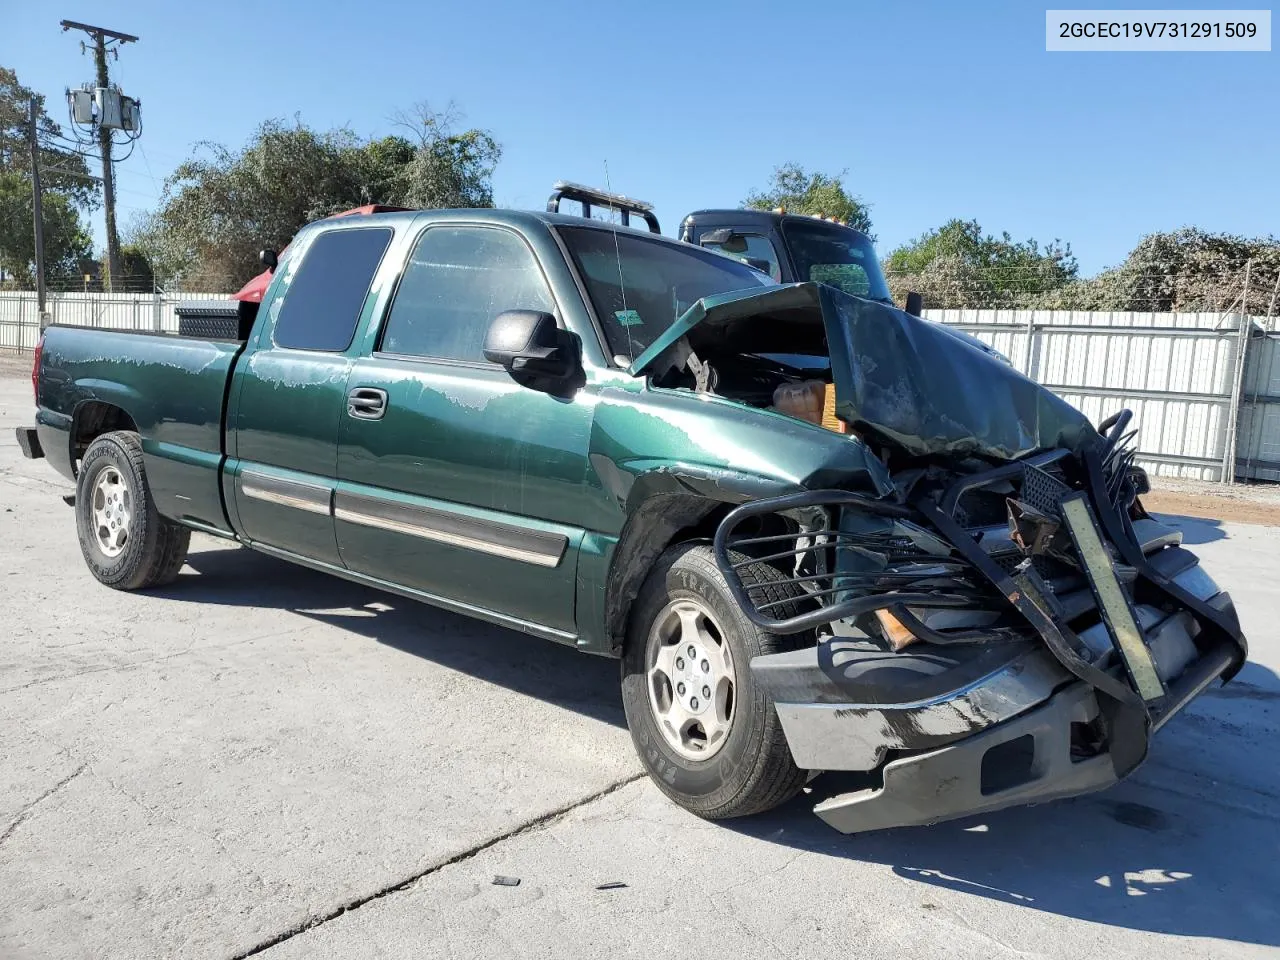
x=1204, y=387
x=20, y=322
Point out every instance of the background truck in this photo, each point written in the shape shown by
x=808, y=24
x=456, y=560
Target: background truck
x=789, y=247
x=570, y=429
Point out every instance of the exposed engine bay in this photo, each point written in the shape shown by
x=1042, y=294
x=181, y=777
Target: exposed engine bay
x=797, y=385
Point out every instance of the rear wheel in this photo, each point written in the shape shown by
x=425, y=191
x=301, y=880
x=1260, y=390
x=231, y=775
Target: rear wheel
x=126, y=543
x=706, y=734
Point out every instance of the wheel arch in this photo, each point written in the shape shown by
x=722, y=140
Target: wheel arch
x=666, y=509
x=91, y=419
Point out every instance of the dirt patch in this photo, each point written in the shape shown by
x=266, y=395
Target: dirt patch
x=15, y=364
x=1239, y=504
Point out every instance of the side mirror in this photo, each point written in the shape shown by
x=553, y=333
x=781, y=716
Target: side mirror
x=268, y=258
x=528, y=344
x=726, y=238
x=915, y=304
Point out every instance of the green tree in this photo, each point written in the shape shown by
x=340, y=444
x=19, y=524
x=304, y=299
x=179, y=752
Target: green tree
x=66, y=189
x=220, y=207
x=66, y=241
x=138, y=275
x=814, y=194
x=63, y=170
x=446, y=169
x=1184, y=270
x=957, y=265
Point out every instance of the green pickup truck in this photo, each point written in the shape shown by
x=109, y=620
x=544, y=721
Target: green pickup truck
x=572, y=429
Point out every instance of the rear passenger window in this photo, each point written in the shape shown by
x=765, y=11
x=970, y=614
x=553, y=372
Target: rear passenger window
x=456, y=282
x=324, y=295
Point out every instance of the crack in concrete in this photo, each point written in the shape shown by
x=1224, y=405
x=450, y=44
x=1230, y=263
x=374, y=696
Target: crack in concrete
x=528, y=826
x=190, y=648
x=25, y=812
x=756, y=878
x=8, y=475
x=160, y=814
x=984, y=934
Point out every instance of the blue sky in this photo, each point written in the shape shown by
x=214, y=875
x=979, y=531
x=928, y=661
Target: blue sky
x=935, y=109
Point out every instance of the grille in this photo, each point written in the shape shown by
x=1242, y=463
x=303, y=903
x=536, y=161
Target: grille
x=1042, y=491
x=1048, y=568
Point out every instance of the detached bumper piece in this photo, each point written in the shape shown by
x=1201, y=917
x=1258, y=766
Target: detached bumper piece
x=1049, y=753
x=1026, y=760
x=1056, y=642
x=29, y=443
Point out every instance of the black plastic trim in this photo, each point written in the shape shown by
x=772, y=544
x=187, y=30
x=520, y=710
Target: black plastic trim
x=29, y=443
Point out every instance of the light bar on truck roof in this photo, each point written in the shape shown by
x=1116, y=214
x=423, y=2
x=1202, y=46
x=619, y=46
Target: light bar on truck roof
x=602, y=197
x=590, y=196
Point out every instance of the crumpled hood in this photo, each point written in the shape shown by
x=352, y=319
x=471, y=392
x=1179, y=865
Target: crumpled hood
x=901, y=380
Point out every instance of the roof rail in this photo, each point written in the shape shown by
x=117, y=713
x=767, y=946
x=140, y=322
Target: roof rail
x=590, y=196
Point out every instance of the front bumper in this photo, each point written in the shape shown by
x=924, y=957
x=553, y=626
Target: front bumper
x=29, y=443
x=945, y=731
x=1033, y=758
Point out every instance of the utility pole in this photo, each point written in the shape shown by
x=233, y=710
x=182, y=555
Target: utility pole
x=1243, y=328
x=99, y=35
x=37, y=212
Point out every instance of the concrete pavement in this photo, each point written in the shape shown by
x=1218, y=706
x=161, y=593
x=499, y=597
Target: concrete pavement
x=263, y=760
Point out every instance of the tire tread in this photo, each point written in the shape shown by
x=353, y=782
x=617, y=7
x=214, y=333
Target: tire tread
x=165, y=543
x=777, y=779
x=773, y=776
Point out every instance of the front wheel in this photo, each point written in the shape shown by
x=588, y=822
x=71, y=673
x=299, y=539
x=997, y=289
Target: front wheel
x=705, y=733
x=126, y=543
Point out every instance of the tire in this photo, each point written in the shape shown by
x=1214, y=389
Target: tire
x=144, y=549
x=751, y=770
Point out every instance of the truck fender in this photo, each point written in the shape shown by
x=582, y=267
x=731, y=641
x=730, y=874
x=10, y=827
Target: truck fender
x=668, y=504
x=104, y=407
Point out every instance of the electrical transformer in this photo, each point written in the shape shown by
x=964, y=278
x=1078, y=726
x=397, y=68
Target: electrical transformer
x=107, y=100
x=130, y=115
x=81, y=102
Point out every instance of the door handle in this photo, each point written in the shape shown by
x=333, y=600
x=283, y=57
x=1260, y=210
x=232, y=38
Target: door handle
x=367, y=403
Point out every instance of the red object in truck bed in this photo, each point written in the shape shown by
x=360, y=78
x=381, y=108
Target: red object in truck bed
x=255, y=288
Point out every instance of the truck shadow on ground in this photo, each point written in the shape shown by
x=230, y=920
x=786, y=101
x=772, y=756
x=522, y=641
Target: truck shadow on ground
x=1194, y=529
x=551, y=672
x=1199, y=858
x=1187, y=846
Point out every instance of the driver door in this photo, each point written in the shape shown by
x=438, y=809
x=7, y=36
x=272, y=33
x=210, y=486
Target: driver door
x=454, y=480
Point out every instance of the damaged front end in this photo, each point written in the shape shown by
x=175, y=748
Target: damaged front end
x=1009, y=626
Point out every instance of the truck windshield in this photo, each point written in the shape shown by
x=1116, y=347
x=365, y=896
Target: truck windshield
x=638, y=286
x=835, y=255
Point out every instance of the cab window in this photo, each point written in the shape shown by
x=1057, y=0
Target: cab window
x=457, y=280
x=753, y=249
x=323, y=298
